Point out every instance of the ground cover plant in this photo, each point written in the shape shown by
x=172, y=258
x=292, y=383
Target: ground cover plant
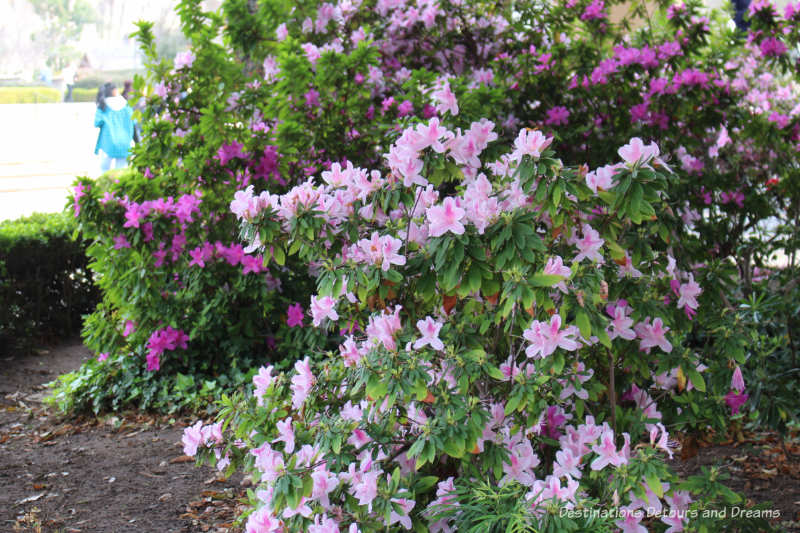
x=505, y=242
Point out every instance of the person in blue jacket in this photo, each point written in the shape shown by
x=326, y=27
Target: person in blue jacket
x=114, y=118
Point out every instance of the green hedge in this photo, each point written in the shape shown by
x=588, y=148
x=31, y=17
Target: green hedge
x=96, y=79
x=45, y=284
x=83, y=95
x=30, y=95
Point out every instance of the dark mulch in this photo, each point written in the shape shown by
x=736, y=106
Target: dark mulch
x=117, y=473
x=762, y=466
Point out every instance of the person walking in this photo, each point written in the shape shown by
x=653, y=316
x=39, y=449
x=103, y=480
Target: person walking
x=114, y=118
x=69, y=80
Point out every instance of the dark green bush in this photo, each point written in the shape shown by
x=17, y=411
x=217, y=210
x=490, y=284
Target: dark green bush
x=44, y=282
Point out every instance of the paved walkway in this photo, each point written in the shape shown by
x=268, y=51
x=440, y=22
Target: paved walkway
x=43, y=147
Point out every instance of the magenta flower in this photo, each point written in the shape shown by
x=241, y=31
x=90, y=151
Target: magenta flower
x=294, y=315
x=430, y=334
x=130, y=327
x=102, y=356
x=444, y=218
x=322, y=308
x=557, y=116
x=120, y=242
x=735, y=401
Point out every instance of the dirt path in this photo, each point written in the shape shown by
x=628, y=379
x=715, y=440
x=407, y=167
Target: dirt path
x=112, y=474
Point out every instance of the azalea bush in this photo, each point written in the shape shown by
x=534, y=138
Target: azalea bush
x=501, y=342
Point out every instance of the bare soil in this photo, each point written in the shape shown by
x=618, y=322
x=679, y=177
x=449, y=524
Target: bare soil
x=114, y=473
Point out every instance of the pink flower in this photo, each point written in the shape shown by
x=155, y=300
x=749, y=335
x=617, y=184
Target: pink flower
x=567, y=464
x=630, y=522
x=688, y=293
x=301, y=383
x=130, y=327
x=294, y=316
x=737, y=381
x=184, y=59
x=389, y=248
x=546, y=338
x=102, y=356
x=662, y=442
x=637, y=153
x=430, y=334
x=406, y=505
x=444, y=218
x=652, y=335
x=324, y=484
x=620, y=325
x=268, y=461
x=262, y=381
x=323, y=524
x=322, y=308
x=589, y=245
x=445, y=100
x=607, y=452
x=381, y=329
x=555, y=266
x=262, y=521
x=366, y=488
x=285, y=434
x=192, y=438
x=530, y=142
x=601, y=179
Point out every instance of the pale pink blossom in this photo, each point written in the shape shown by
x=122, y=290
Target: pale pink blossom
x=285, y=434
x=322, y=308
x=545, y=338
x=444, y=218
x=589, y=245
x=430, y=334
x=301, y=383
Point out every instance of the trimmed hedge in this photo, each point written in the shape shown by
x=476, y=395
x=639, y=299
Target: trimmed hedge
x=83, y=95
x=45, y=284
x=30, y=95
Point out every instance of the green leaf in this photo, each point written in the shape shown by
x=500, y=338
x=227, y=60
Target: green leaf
x=545, y=280
x=279, y=254
x=454, y=447
x=424, y=484
x=654, y=483
x=696, y=379
x=583, y=324
x=495, y=372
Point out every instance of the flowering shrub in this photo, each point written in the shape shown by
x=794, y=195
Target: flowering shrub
x=489, y=332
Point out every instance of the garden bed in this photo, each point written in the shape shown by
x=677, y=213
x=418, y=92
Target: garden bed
x=124, y=472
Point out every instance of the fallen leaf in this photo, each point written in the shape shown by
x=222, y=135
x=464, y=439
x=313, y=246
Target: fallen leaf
x=182, y=459
x=31, y=498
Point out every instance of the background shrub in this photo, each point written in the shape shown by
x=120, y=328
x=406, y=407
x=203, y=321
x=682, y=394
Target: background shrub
x=30, y=95
x=45, y=284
